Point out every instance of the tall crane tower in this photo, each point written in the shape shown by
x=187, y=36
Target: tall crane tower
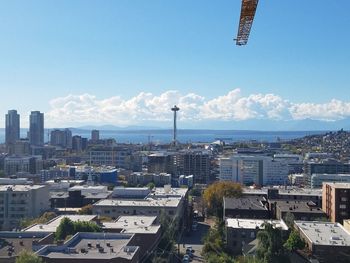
x=246, y=20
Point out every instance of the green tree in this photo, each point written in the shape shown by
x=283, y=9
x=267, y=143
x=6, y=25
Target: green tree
x=43, y=219
x=214, y=246
x=213, y=242
x=65, y=228
x=294, y=242
x=169, y=226
x=270, y=246
x=289, y=219
x=68, y=227
x=26, y=256
x=86, y=210
x=219, y=258
x=247, y=259
x=151, y=185
x=214, y=194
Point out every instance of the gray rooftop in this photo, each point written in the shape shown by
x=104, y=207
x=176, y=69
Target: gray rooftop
x=20, y=188
x=254, y=223
x=244, y=203
x=298, y=206
x=52, y=225
x=149, y=202
x=134, y=224
x=324, y=233
x=98, y=246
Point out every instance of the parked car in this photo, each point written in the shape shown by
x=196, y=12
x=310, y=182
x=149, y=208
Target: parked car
x=186, y=259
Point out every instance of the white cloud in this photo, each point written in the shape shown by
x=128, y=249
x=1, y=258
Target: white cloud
x=330, y=111
x=147, y=107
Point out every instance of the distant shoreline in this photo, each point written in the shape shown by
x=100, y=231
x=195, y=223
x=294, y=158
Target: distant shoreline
x=185, y=135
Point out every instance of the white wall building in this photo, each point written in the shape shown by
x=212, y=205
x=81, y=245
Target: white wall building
x=246, y=169
x=22, y=201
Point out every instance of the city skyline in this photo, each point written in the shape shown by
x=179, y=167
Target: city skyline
x=125, y=63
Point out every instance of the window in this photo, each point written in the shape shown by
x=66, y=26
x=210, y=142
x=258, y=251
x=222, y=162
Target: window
x=342, y=206
x=344, y=199
x=252, y=234
x=243, y=234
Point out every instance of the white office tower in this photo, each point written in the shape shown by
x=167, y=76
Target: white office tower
x=260, y=170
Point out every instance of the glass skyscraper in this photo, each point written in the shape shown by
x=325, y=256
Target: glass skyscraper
x=36, y=128
x=12, y=127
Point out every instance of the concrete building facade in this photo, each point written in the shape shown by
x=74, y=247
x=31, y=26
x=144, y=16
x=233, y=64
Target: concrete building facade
x=21, y=201
x=335, y=201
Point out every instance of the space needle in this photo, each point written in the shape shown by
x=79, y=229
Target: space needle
x=175, y=109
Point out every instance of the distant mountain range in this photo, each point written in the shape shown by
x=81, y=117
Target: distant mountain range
x=255, y=125
x=251, y=125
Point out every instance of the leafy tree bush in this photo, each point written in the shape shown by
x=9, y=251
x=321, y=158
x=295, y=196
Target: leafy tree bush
x=247, y=259
x=214, y=248
x=151, y=185
x=86, y=210
x=289, y=219
x=270, y=246
x=294, y=242
x=214, y=194
x=44, y=218
x=68, y=227
x=26, y=256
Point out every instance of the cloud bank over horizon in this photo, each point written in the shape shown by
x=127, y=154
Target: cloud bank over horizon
x=145, y=108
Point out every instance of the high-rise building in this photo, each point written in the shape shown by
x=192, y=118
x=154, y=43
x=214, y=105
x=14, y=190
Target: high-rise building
x=36, y=128
x=61, y=138
x=12, y=127
x=95, y=135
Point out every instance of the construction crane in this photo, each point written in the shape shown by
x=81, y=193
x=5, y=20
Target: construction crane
x=246, y=20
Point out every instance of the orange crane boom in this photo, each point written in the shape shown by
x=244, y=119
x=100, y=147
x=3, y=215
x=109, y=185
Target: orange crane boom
x=246, y=20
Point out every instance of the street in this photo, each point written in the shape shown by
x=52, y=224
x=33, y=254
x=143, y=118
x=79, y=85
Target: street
x=194, y=239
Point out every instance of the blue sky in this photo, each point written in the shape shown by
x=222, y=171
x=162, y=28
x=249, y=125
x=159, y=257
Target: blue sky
x=112, y=51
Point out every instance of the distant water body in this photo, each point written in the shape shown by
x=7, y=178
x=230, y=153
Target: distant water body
x=165, y=136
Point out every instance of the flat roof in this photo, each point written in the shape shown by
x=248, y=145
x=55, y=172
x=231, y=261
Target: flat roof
x=254, y=223
x=324, y=233
x=160, y=191
x=244, y=203
x=134, y=224
x=284, y=191
x=297, y=206
x=88, y=187
x=17, y=241
x=106, y=246
x=52, y=225
x=64, y=181
x=20, y=188
x=149, y=202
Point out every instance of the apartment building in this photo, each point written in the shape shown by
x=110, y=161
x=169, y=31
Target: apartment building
x=21, y=201
x=335, y=201
x=253, y=169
